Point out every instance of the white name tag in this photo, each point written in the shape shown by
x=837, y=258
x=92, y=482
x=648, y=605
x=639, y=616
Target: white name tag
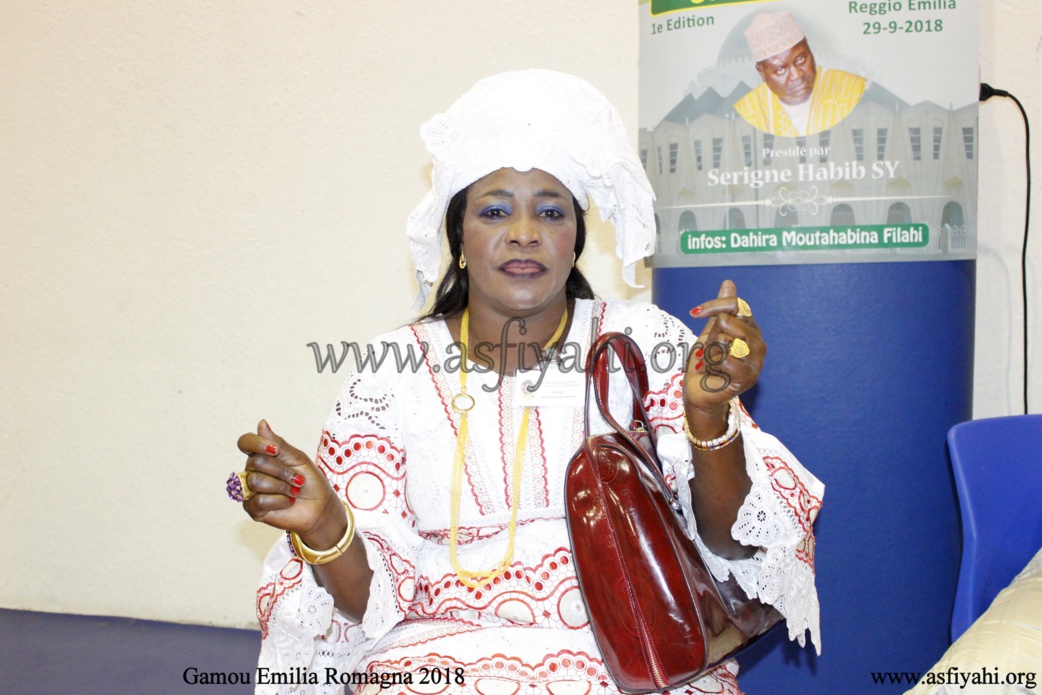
x=552, y=387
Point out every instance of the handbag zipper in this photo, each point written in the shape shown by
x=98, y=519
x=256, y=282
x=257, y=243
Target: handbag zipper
x=656, y=671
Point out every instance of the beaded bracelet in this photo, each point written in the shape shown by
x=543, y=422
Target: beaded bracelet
x=733, y=430
x=321, y=557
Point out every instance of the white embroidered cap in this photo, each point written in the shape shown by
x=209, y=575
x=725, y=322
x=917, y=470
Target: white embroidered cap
x=770, y=33
x=534, y=119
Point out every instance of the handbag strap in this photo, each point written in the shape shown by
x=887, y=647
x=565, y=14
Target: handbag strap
x=598, y=373
x=632, y=361
x=633, y=366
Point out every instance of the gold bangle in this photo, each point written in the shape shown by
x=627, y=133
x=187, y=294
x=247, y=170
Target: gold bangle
x=321, y=557
x=733, y=430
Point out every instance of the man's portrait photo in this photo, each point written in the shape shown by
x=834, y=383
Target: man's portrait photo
x=797, y=97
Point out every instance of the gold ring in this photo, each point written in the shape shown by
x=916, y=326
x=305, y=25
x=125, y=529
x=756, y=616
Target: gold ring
x=247, y=493
x=739, y=348
x=743, y=308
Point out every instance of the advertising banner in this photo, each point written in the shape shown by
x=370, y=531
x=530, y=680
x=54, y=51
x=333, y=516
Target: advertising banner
x=810, y=131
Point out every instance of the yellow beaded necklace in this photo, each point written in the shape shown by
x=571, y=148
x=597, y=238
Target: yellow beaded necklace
x=462, y=403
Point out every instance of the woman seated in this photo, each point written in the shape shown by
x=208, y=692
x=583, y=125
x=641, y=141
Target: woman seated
x=428, y=535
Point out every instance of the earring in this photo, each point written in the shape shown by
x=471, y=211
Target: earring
x=462, y=261
x=573, y=259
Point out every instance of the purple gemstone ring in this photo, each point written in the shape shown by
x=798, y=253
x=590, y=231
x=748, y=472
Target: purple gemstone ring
x=237, y=488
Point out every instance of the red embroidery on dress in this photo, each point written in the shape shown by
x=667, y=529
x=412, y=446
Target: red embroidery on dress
x=785, y=482
x=268, y=595
x=438, y=628
x=442, y=388
x=341, y=630
x=723, y=683
x=402, y=571
x=748, y=417
x=434, y=381
x=369, y=471
x=666, y=406
x=508, y=463
x=546, y=595
x=536, y=477
x=565, y=666
x=469, y=534
x=543, y=471
x=805, y=550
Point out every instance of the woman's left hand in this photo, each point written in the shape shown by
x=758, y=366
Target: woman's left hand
x=719, y=368
x=726, y=362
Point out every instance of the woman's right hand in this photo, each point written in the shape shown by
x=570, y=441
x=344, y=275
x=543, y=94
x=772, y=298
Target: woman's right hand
x=290, y=492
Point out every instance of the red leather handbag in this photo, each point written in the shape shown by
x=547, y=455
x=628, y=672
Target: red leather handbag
x=658, y=615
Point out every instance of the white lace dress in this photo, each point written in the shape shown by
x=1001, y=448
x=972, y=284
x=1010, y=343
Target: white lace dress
x=389, y=447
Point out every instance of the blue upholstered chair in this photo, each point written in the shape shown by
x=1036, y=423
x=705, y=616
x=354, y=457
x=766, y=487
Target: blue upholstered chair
x=998, y=473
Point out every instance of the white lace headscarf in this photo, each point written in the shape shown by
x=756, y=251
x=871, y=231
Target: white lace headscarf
x=534, y=119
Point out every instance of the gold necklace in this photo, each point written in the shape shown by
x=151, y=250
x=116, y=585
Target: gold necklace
x=462, y=403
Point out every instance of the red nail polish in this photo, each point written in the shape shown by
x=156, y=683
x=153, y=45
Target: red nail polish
x=294, y=491
x=696, y=311
x=298, y=480
x=699, y=352
x=698, y=367
x=272, y=449
x=292, y=500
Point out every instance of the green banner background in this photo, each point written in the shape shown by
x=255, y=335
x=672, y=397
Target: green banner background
x=662, y=6
x=876, y=236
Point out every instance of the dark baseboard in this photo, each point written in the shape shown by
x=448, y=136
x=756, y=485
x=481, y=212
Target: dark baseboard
x=59, y=653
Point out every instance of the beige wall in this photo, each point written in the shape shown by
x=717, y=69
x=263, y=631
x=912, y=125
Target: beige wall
x=191, y=192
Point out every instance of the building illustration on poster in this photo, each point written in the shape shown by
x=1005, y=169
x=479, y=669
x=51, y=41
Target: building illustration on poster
x=810, y=131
